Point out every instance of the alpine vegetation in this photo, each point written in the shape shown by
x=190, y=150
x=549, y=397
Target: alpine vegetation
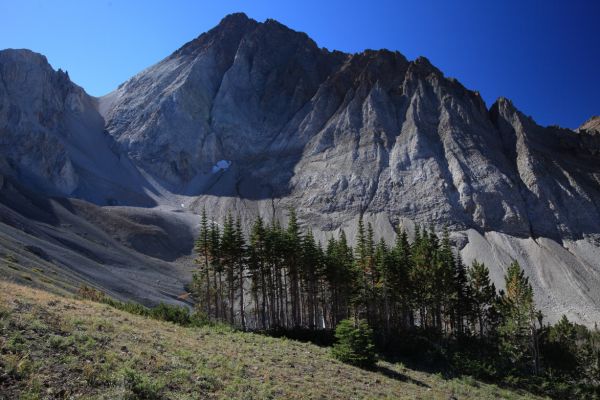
x=407, y=299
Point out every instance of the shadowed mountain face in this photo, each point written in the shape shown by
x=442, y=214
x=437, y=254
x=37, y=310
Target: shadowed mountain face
x=52, y=136
x=256, y=117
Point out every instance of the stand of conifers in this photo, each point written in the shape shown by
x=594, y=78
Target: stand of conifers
x=280, y=278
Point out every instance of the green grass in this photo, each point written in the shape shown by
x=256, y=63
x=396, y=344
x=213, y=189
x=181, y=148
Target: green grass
x=58, y=347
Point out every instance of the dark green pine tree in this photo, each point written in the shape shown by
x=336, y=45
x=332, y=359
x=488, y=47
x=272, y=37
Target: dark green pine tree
x=561, y=352
x=340, y=274
x=277, y=276
x=240, y=264
x=424, y=279
x=446, y=292
x=292, y=260
x=217, y=269
x=399, y=281
x=229, y=260
x=518, y=330
x=257, y=253
x=381, y=292
x=484, y=299
x=462, y=300
x=364, y=252
x=202, y=247
x=310, y=260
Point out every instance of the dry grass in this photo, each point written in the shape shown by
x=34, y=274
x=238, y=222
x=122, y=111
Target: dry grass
x=58, y=347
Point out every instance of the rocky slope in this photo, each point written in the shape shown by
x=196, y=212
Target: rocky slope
x=256, y=117
x=592, y=125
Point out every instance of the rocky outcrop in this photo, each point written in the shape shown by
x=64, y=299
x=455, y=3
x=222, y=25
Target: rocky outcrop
x=34, y=100
x=52, y=136
x=591, y=126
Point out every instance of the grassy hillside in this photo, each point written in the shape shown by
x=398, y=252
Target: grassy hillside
x=58, y=347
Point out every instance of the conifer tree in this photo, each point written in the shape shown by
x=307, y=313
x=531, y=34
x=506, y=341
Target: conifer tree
x=519, y=336
x=483, y=297
x=229, y=261
x=382, y=294
x=462, y=302
x=257, y=266
x=354, y=343
x=215, y=250
x=446, y=291
x=399, y=279
x=202, y=248
x=240, y=263
x=561, y=351
x=292, y=255
x=341, y=277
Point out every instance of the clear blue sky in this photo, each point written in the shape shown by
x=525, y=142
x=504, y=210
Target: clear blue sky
x=544, y=54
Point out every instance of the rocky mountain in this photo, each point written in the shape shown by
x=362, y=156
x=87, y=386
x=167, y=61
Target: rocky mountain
x=592, y=125
x=255, y=117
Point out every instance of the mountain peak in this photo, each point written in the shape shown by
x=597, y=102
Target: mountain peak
x=23, y=55
x=238, y=18
x=592, y=125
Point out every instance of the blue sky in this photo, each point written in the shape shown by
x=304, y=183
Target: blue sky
x=544, y=55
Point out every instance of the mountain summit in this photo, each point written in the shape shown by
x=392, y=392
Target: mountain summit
x=255, y=117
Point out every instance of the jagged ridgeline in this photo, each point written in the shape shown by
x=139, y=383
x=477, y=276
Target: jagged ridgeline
x=255, y=118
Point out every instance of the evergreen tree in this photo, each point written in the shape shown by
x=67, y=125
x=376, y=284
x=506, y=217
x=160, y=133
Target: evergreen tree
x=340, y=274
x=354, y=343
x=257, y=267
x=292, y=259
x=446, y=290
x=560, y=349
x=484, y=298
x=229, y=262
x=240, y=263
x=310, y=260
x=518, y=330
x=399, y=280
x=217, y=269
x=382, y=295
x=202, y=248
x=463, y=298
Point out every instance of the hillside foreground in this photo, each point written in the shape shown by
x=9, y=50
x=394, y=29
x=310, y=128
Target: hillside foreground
x=60, y=347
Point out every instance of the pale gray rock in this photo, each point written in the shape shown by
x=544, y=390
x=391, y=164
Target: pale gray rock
x=591, y=126
x=254, y=118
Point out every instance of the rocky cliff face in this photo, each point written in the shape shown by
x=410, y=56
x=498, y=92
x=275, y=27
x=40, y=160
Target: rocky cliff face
x=34, y=104
x=256, y=117
x=343, y=134
x=52, y=136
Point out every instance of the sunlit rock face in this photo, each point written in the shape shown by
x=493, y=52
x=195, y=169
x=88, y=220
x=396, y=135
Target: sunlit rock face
x=341, y=134
x=254, y=118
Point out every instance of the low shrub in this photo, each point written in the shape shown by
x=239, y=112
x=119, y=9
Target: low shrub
x=140, y=386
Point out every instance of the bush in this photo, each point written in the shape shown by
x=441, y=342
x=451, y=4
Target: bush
x=175, y=314
x=162, y=312
x=354, y=343
x=140, y=386
x=89, y=293
x=130, y=307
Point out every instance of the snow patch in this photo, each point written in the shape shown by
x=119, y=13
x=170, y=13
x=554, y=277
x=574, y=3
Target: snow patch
x=221, y=165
